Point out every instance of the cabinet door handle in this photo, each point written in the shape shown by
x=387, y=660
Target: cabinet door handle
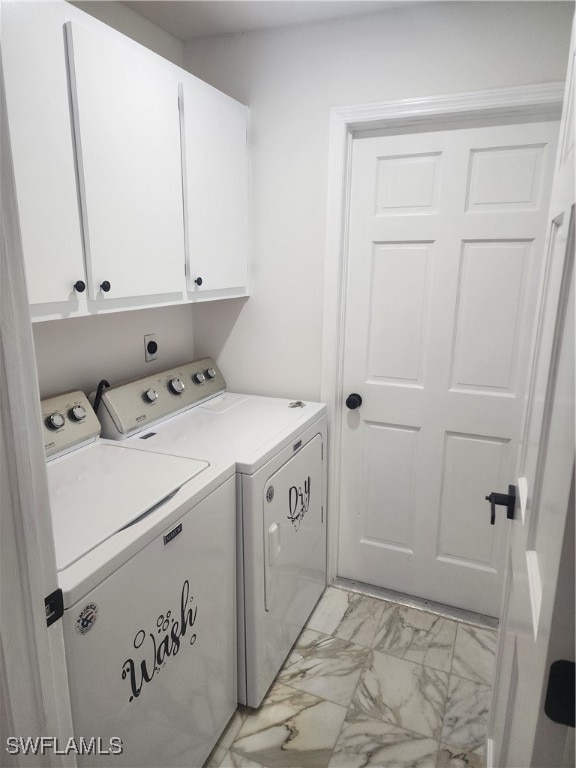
x=198, y=281
x=80, y=286
x=105, y=286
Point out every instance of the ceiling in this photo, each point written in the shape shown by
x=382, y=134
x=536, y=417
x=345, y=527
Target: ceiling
x=191, y=19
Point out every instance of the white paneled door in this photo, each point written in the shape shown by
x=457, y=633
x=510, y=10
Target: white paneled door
x=444, y=273
x=527, y=724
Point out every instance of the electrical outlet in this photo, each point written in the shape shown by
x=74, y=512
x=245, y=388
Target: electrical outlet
x=150, y=347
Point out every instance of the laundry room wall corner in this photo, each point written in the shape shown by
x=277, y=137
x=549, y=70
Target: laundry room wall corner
x=119, y=16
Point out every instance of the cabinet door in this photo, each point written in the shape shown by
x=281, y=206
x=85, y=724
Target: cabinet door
x=125, y=103
x=214, y=128
x=34, y=64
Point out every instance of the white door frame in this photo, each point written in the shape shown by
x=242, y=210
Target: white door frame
x=501, y=105
x=34, y=693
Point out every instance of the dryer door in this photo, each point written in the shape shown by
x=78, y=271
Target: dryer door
x=295, y=535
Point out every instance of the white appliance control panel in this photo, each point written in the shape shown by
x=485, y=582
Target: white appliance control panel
x=136, y=405
x=67, y=421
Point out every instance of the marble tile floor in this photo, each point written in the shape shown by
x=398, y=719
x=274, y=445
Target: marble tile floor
x=370, y=683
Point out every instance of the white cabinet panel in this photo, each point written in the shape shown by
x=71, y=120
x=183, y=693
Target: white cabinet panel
x=128, y=143
x=34, y=64
x=215, y=163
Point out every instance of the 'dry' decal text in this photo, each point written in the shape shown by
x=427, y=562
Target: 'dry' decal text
x=298, y=502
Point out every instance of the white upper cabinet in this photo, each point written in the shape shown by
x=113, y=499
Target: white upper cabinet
x=216, y=190
x=131, y=174
x=34, y=65
x=127, y=128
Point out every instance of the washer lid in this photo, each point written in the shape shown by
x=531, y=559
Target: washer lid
x=246, y=429
x=104, y=487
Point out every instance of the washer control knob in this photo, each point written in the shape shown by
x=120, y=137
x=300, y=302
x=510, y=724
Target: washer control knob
x=176, y=386
x=199, y=377
x=56, y=420
x=211, y=373
x=151, y=395
x=77, y=413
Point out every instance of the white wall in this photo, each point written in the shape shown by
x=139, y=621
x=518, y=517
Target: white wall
x=291, y=78
x=77, y=353
x=132, y=24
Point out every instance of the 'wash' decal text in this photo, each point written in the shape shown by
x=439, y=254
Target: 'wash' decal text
x=154, y=649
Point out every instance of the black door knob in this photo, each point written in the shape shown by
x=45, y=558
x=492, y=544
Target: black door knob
x=80, y=286
x=353, y=401
x=105, y=286
x=507, y=500
x=198, y=281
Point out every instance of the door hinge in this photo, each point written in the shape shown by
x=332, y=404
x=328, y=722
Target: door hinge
x=322, y=451
x=322, y=515
x=54, y=606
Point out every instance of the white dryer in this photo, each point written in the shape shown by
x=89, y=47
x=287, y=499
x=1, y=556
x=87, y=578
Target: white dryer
x=279, y=450
x=145, y=550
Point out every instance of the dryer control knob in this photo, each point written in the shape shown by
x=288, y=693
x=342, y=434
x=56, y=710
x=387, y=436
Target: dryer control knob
x=77, y=413
x=211, y=373
x=56, y=420
x=176, y=386
x=151, y=395
x=199, y=377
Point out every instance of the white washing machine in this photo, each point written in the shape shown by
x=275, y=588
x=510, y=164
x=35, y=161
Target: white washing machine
x=145, y=550
x=279, y=450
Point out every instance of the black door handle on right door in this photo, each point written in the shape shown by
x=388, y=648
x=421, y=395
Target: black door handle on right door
x=507, y=500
